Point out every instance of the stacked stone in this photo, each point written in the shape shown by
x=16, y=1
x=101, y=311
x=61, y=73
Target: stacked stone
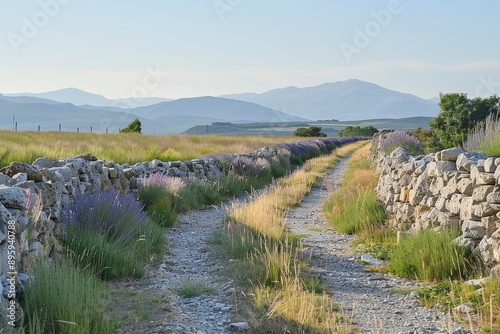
x=450, y=189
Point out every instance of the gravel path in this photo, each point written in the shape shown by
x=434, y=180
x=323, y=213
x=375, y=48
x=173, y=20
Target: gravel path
x=367, y=297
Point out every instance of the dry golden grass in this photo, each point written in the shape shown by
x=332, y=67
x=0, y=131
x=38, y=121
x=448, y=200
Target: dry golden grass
x=124, y=147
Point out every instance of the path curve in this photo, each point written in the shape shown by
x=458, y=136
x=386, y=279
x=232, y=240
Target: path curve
x=368, y=298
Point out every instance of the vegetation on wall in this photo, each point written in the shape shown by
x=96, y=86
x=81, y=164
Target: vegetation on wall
x=459, y=115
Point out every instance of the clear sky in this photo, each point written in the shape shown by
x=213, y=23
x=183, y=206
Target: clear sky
x=184, y=48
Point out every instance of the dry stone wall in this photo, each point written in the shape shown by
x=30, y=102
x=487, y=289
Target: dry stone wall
x=33, y=196
x=451, y=188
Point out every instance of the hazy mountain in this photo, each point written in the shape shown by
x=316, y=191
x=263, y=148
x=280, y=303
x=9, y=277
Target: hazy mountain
x=227, y=110
x=79, y=97
x=160, y=119
x=343, y=100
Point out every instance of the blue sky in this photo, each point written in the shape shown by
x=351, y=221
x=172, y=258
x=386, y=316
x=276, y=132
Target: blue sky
x=181, y=48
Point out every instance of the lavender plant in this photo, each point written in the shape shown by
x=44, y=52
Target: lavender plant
x=101, y=230
x=485, y=136
x=110, y=213
x=171, y=183
x=393, y=140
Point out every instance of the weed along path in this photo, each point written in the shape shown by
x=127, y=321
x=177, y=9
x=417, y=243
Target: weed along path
x=369, y=298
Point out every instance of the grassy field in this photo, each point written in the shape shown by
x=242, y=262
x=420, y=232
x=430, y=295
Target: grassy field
x=124, y=148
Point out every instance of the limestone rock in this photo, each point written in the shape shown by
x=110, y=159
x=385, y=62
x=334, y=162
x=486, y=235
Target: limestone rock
x=451, y=154
x=15, y=167
x=467, y=159
x=465, y=186
x=479, y=177
x=493, y=197
x=489, y=165
x=481, y=192
x=12, y=197
x=473, y=230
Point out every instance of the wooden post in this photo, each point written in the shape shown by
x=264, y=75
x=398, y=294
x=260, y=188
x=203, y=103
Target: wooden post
x=59, y=127
x=39, y=128
x=77, y=130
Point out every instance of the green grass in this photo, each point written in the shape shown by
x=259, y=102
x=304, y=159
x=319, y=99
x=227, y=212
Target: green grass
x=150, y=243
x=354, y=208
x=190, y=288
x=108, y=260
x=430, y=256
x=63, y=299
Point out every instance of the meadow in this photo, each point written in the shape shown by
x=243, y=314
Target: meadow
x=124, y=147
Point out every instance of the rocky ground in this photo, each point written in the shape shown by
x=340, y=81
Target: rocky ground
x=154, y=305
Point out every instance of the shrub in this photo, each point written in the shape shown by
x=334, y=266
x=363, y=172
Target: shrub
x=101, y=229
x=485, y=136
x=160, y=194
x=312, y=131
x=393, y=140
x=366, y=131
x=63, y=299
x=430, y=256
x=134, y=126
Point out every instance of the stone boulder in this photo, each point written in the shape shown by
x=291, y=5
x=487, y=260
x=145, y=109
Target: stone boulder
x=15, y=167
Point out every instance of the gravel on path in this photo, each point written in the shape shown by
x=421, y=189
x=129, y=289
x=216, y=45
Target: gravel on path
x=369, y=298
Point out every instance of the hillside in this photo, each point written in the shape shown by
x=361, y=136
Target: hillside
x=226, y=110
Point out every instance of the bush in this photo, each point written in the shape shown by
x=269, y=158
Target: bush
x=134, y=126
x=393, y=140
x=430, y=256
x=365, y=131
x=160, y=194
x=64, y=299
x=101, y=229
x=312, y=131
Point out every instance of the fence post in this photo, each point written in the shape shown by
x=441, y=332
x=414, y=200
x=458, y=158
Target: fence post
x=59, y=127
x=77, y=130
x=39, y=128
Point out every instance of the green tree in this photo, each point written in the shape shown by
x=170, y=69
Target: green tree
x=366, y=131
x=312, y=131
x=134, y=126
x=458, y=116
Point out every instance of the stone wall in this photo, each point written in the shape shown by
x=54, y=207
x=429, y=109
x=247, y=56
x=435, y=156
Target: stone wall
x=33, y=196
x=451, y=188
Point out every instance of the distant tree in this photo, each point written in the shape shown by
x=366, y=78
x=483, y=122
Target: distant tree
x=312, y=131
x=134, y=126
x=365, y=131
x=459, y=115
x=427, y=138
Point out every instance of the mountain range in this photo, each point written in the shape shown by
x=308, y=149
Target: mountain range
x=74, y=108
x=343, y=100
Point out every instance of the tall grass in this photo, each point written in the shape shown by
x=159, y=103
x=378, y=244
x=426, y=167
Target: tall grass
x=62, y=299
x=354, y=207
x=485, y=136
x=123, y=147
x=256, y=235
x=430, y=256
